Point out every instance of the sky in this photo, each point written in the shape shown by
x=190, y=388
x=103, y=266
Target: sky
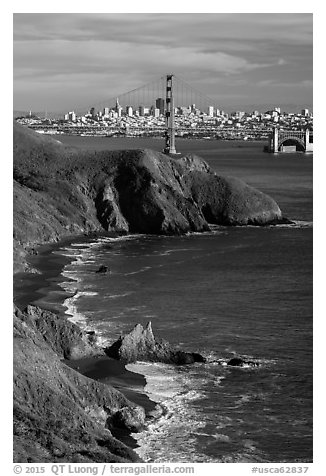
x=70, y=61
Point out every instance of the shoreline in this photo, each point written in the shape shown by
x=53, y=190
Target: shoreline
x=113, y=372
x=29, y=288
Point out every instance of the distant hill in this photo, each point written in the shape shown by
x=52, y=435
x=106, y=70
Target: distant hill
x=42, y=114
x=294, y=108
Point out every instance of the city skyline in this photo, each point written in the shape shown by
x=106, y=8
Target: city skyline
x=68, y=61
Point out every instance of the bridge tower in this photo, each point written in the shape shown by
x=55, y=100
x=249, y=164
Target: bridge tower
x=274, y=141
x=169, y=115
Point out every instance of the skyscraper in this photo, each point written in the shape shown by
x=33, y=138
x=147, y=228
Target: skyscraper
x=118, y=108
x=129, y=111
x=159, y=103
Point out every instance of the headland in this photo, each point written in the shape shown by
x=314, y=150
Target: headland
x=59, y=192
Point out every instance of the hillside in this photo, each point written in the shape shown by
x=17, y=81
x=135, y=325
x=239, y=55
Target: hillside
x=59, y=414
x=59, y=191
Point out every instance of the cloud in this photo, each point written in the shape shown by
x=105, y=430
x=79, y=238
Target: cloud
x=101, y=52
x=61, y=57
x=165, y=28
x=271, y=83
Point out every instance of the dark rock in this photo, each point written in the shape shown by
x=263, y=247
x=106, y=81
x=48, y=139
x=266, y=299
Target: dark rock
x=198, y=357
x=140, y=344
x=103, y=269
x=239, y=362
x=236, y=362
x=127, y=418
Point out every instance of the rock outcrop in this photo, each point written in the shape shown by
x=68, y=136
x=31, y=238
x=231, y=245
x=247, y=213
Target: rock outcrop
x=239, y=362
x=140, y=344
x=65, y=338
x=59, y=414
x=103, y=269
x=60, y=191
x=131, y=419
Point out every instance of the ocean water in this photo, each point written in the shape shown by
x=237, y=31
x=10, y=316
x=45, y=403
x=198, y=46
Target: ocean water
x=240, y=291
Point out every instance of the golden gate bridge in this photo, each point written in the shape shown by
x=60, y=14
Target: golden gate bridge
x=159, y=98
x=158, y=102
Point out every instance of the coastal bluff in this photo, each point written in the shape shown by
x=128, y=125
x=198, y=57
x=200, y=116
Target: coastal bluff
x=59, y=414
x=61, y=191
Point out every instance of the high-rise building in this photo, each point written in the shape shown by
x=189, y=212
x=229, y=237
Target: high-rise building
x=154, y=111
x=106, y=111
x=159, y=103
x=72, y=116
x=239, y=114
x=118, y=108
x=129, y=111
x=210, y=111
x=305, y=112
x=141, y=110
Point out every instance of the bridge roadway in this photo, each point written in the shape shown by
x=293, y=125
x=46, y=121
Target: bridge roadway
x=283, y=140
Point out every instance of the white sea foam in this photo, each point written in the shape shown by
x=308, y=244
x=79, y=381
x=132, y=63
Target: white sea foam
x=116, y=296
x=178, y=425
x=297, y=224
x=109, y=239
x=71, y=310
x=141, y=270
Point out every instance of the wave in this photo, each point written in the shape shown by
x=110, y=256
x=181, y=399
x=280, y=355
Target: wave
x=116, y=296
x=71, y=310
x=178, y=419
x=296, y=224
x=141, y=270
x=116, y=239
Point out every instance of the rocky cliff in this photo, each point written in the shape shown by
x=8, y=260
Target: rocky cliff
x=59, y=414
x=59, y=191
